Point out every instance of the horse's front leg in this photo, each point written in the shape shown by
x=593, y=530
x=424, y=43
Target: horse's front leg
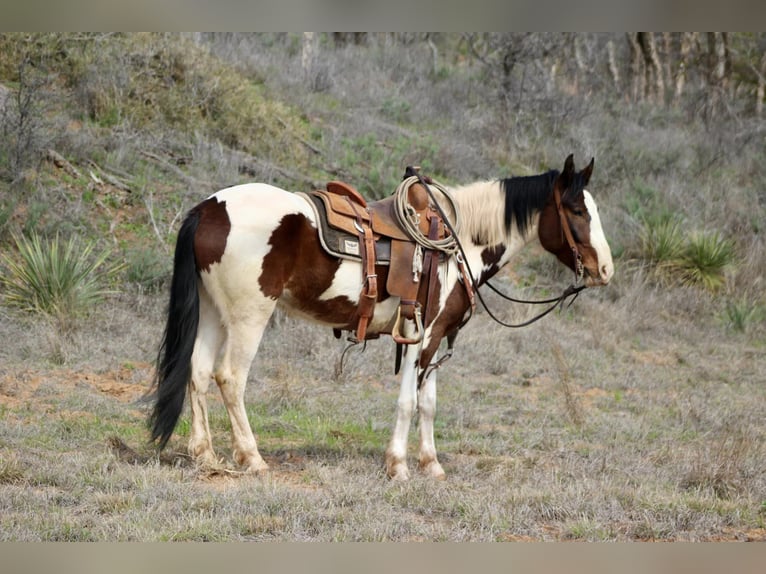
x=396, y=453
x=427, y=461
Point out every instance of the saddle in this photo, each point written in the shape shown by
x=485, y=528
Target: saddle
x=351, y=228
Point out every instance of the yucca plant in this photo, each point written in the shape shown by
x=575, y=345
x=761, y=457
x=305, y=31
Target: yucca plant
x=662, y=247
x=706, y=258
x=61, y=279
x=740, y=313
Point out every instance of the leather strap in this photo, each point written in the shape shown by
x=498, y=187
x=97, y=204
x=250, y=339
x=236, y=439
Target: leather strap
x=369, y=295
x=567, y=233
x=433, y=264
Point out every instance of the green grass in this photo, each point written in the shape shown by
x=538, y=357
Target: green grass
x=741, y=313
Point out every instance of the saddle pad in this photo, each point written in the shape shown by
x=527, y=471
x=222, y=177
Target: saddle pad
x=339, y=243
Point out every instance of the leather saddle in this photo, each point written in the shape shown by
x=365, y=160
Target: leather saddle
x=351, y=228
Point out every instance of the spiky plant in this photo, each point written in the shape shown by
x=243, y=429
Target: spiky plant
x=706, y=259
x=63, y=279
x=662, y=247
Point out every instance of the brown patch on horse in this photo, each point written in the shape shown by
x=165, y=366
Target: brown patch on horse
x=298, y=263
x=490, y=259
x=448, y=321
x=212, y=232
x=278, y=265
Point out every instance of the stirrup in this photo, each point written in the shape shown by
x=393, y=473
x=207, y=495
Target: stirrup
x=396, y=331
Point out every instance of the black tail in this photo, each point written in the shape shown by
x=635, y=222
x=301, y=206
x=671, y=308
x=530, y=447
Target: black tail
x=174, y=357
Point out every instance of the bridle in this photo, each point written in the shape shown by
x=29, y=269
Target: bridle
x=566, y=232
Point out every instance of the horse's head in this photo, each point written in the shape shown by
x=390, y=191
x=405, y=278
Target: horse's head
x=570, y=227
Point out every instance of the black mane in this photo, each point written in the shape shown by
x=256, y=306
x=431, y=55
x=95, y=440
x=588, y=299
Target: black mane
x=525, y=196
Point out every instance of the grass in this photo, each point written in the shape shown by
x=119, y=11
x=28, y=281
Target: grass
x=663, y=450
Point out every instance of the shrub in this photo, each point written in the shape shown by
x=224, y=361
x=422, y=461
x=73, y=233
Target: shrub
x=61, y=279
x=698, y=259
x=740, y=313
x=706, y=258
x=662, y=247
x=146, y=269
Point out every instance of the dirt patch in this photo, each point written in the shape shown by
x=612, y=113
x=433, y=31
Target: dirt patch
x=127, y=383
x=655, y=358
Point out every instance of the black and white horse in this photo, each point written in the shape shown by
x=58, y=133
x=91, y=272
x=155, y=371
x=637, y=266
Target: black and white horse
x=249, y=248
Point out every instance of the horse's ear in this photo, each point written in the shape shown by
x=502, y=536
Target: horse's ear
x=569, y=165
x=567, y=175
x=586, y=173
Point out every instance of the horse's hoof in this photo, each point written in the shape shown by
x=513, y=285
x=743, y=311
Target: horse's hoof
x=257, y=467
x=205, y=459
x=434, y=470
x=399, y=473
x=252, y=462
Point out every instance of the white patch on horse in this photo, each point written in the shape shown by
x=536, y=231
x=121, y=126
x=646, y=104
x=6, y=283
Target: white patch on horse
x=598, y=240
x=346, y=283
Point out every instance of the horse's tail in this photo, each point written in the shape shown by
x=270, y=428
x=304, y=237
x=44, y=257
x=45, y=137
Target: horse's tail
x=175, y=353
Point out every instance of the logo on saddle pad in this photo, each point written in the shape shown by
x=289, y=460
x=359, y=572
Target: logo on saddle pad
x=350, y=246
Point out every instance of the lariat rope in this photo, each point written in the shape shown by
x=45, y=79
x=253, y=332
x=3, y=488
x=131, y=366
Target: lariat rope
x=408, y=217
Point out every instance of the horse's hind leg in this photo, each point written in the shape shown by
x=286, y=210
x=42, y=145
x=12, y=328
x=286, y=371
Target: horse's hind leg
x=206, y=348
x=243, y=338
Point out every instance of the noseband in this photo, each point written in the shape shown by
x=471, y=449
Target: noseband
x=566, y=232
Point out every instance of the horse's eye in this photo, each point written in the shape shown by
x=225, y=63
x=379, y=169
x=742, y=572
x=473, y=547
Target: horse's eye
x=578, y=212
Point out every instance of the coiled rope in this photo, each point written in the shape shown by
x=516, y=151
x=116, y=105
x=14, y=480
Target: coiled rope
x=408, y=218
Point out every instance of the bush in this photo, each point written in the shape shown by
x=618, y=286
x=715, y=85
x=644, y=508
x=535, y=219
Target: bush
x=63, y=280
x=698, y=259
x=662, y=246
x=741, y=313
x=147, y=270
x=706, y=258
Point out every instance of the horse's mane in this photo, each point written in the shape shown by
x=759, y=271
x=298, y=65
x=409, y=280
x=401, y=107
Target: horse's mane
x=525, y=196
x=489, y=208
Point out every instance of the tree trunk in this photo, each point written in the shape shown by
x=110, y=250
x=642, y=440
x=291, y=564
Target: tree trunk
x=636, y=68
x=761, y=90
x=655, y=86
x=308, y=55
x=669, y=58
x=688, y=40
x=717, y=74
x=614, y=70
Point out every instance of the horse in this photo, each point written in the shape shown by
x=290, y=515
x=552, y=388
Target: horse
x=250, y=248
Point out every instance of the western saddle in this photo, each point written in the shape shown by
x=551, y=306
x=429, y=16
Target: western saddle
x=373, y=234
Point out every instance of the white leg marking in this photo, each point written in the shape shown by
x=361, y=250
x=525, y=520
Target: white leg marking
x=206, y=348
x=427, y=461
x=231, y=375
x=396, y=453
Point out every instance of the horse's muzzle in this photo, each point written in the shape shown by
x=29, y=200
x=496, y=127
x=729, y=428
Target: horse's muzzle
x=602, y=278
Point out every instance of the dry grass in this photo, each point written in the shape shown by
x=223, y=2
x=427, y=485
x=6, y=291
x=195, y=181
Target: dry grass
x=643, y=435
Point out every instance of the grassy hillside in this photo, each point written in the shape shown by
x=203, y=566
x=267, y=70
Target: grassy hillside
x=635, y=415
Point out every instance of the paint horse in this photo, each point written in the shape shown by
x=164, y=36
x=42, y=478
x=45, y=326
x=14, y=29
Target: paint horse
x=250, y=248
